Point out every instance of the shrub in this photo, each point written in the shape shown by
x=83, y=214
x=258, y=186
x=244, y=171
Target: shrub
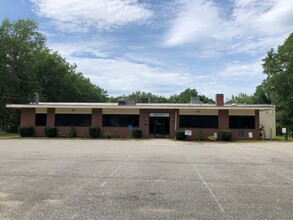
x=26, y=131
x=279, y=130
x=225, y=135
x=50, y=132
x=199, y=136
x=180, y=135
x=80, y=135
x=212, y=138
x=10, y=128
x=136, y=133
x=94, y=131
x=72, y=133
x=61, y=134
x=108, y=134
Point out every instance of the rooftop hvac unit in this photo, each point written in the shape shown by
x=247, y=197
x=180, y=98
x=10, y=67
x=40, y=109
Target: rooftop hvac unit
x=37, y=98
x=195, y=100
x=126, y=102
x=122, y=102
x=145, y=100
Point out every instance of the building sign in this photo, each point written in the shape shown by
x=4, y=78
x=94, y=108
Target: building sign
x=130, y=127
x=159, y=114
x=215, y=135
x=188, y=132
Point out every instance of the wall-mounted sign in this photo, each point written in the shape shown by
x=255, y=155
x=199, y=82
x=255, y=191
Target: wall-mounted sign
x=159, y=114
x=250, y=134
x=188, y=132
x=130, y=127
x=215, y=135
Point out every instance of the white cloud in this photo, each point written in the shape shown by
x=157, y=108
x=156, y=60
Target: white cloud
x=82, y=48
x=76, y=15
x=264, y=17
x=120, y=76
x=242, y=71
x=252, y=23
x=125, y=75
x=196, y=20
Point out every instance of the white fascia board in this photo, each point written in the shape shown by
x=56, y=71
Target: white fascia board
x=139, y=106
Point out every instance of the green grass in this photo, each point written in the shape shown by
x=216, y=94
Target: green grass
x=4, y=135
x=282, y=138
x=278, y=138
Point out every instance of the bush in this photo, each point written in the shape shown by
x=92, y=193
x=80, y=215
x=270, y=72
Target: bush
x=199, y=136
x=279, y=130
x=180, y=135
x=10, y=128
x=50, y=132
x=212, y=138
x=72, y=133
x=80, y=135
x=61, y=134
x=26, y=131
x=94, y=131
x=108, y=134
x=225, y=135
x=136, y=133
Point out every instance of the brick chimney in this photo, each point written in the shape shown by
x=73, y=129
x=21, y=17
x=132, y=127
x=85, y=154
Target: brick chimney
x=219, y=100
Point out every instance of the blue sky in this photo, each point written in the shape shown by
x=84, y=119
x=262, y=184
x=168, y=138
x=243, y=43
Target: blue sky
x=162, y=46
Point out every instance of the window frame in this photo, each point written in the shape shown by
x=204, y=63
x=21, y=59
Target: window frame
x=242, y=122
x=71, y=120
x=106, y=120
x=38, y=120
x=198, y=121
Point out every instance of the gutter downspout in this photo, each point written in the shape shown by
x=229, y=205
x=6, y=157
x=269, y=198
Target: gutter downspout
x=176, y=117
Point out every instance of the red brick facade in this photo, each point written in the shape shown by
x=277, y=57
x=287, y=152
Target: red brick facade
x=28, y=119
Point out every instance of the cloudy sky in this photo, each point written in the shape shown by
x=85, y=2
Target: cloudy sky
x=162, y=46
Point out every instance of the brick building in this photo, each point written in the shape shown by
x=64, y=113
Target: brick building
x=155, y=120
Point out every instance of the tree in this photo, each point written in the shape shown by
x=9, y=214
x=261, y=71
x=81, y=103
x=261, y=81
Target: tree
x=241, y=98
x=184, y=97
x=19, y=43
x=261, y=96
x=138, y=95
x=28, y=66
x=278, y=66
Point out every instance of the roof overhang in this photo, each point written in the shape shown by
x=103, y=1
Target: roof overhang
x=140, y=106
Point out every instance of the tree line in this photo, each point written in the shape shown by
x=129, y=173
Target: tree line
x=27, y=66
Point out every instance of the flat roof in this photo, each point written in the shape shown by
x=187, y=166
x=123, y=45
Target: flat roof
x=140, y=106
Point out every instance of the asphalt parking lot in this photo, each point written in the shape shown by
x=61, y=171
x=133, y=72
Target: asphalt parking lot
x=145, y=179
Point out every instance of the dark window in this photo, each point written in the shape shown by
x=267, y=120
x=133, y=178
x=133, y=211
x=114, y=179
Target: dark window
x=242, y=122
x=79, y=120
x=120, y=120
x=241, y=133
x=41, y=120
x=198, y=121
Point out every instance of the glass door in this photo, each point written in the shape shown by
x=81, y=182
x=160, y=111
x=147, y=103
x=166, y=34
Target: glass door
x=159, y=125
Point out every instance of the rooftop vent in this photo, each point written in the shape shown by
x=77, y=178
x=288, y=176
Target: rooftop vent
x=37, y=98
x=126, y=102
x=121, y=102
x=145, y=100
x=195, y=100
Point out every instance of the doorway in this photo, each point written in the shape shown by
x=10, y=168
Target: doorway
x=159, y=126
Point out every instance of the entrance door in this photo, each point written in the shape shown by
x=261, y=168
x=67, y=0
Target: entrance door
x=159, y=125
